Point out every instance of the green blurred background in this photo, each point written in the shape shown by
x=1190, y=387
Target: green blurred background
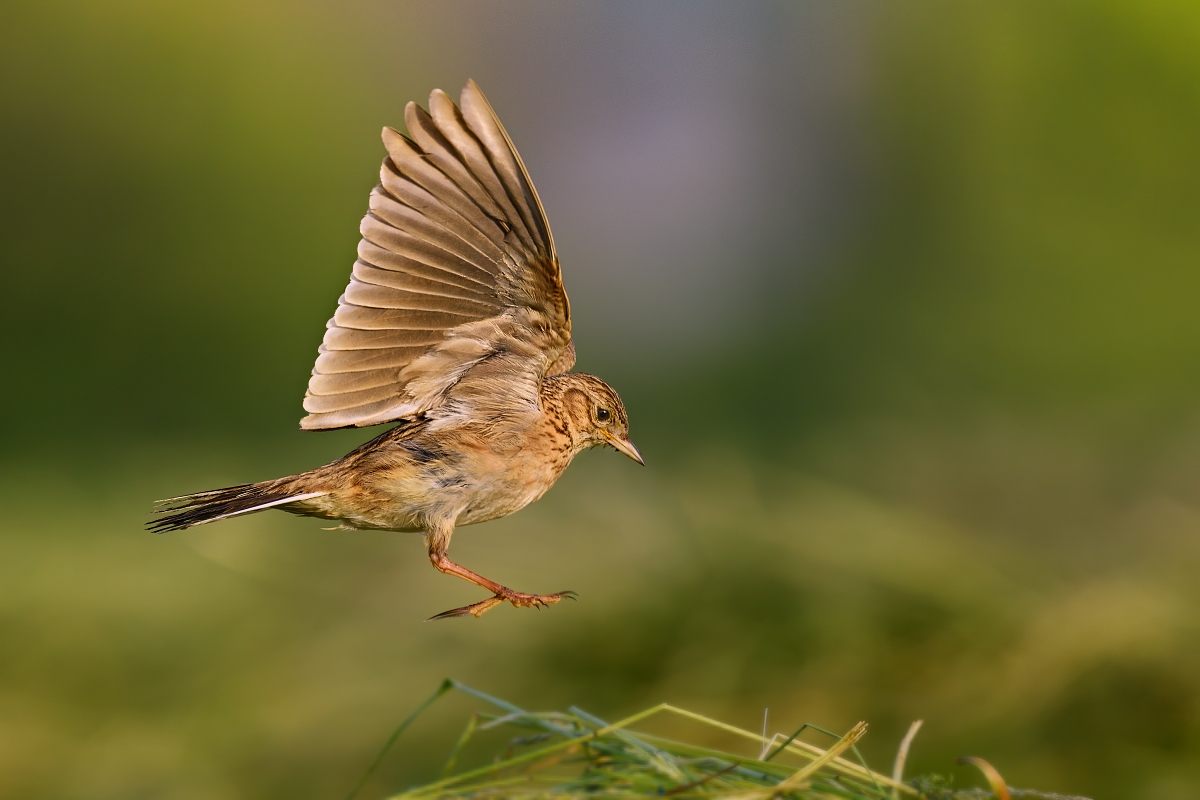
x=902, y=301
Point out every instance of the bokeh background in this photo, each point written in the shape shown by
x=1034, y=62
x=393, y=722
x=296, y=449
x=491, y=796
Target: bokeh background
x=903, y=301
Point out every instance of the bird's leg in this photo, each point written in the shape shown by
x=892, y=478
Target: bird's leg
x=437, y=545
x=500, y=593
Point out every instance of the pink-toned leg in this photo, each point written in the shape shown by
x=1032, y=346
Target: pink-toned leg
x=500, y=593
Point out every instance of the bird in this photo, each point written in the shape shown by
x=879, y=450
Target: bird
x=456, y=327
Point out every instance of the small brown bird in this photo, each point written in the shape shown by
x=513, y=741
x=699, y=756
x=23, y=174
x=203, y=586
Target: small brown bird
x=456, y=325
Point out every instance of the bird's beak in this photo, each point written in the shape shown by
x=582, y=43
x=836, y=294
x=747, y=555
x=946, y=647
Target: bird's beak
x=625, y=446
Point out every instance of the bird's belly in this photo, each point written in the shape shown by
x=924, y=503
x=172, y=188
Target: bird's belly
x=506, y=488
x=493, y=500
x=470, y=485
x=411, y=502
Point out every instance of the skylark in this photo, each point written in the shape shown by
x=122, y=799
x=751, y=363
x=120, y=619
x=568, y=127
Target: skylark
x=455, y=325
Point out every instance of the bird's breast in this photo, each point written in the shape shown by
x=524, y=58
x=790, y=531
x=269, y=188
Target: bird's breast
x=505, y=482
x=507, y=488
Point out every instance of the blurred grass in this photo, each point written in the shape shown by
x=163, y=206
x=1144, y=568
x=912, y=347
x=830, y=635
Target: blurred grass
x=572, y=753
x=961, y=484
x=575, y=754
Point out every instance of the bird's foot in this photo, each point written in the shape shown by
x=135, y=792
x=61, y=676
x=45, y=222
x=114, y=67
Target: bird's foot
x=518, y=599
x=522, y=600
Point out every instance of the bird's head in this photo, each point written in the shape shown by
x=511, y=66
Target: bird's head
x=595, y=414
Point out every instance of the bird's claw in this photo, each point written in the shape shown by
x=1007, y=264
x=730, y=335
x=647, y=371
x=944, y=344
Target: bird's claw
x=474, y=610
x=518, y=599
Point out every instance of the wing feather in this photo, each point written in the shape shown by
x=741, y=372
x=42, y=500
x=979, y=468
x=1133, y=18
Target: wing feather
x=362, y=342
x=479, y=253
x=341, y=382
x=321, y=404
x=410, y=264
x=381, y=233
x=349, y=315
x=360, y=293
x=405, y=281
x=508, y=166
x=441, y=154
x=410, y=165
x=333, y=362
x=457, y=287
x=450, y=121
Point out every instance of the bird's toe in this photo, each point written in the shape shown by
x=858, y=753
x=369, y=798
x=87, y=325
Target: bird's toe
x=474, y=609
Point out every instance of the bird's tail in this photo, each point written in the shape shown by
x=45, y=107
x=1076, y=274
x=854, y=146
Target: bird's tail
x=189, y=510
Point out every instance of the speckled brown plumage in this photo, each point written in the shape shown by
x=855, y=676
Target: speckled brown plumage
x=456, y=325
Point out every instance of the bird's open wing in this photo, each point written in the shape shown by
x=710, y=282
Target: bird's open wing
x=456, y=266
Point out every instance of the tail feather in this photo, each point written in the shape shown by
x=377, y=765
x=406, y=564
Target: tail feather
x=189, y=510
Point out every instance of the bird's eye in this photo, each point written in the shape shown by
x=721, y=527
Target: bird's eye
x=602, y=414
